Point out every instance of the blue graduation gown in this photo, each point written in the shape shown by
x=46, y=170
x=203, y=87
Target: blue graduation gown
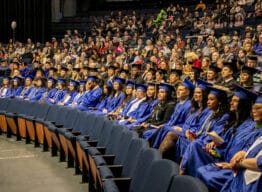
x=49, y=95
x=244, y=137
x=90, y=99
x=127, y=107
x=25, y=72
x=238, y=183
x=7, y=92
x=142, y=113
x=14, y=92
x=57, y=96
x=71, y=99
x=216, y=125
x=37, y=94
x=181, y=112
x=115, y=102
x=27, y=92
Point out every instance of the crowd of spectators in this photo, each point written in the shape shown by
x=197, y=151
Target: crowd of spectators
x=163, y=57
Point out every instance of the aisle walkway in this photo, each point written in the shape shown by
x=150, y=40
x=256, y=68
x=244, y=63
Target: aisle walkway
x=24, y=168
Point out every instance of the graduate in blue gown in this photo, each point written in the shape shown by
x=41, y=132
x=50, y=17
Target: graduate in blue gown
x=49, y=91
x=161, y=112
x=28, y=87
x=70, y=94
x=90, y=98
x=245, y=135
x=114, y=100
x=218, y=103
x=59, y=94
x=180, y=113
x=77, y=99
x=5, y=89
x=198, y=113
x=124, y=106
x=38, y=90
x=104, y=99
x=134, y=105
x=16, y=87
x=143, y=112
x=247, y=168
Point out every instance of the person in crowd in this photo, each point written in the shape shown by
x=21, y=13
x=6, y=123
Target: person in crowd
x=28, y=87
x=59, y=94
x=38, y=91
x=49, y=91
x=70, y=94
x=5, y=89
x=162, y=111
x=218, y=103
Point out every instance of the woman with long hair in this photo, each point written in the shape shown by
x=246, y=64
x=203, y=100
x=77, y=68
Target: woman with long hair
x=217, y=103
x=198, y=113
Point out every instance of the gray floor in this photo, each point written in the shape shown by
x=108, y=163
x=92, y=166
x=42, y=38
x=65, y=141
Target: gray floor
x=24, y=168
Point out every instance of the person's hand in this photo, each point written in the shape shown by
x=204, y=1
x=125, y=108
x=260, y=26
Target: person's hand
x=132, y=120
x=210, y=146
x=224, y=165
x=190, y=136
x=176, y=128
x=237, y=157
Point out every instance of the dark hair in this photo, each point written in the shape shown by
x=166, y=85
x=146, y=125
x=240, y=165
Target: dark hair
x=195, y=106
x=236, y=118
x=223, y=106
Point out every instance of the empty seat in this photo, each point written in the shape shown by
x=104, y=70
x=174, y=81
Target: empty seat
x=183, y=183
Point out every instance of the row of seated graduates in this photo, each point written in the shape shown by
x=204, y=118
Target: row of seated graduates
x=42, y=124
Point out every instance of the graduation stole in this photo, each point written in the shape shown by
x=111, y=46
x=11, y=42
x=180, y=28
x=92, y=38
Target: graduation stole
x=251, y=176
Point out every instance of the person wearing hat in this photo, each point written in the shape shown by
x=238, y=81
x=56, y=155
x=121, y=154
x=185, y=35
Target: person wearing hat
x=105, y=99
x=161, y=112
x=91, y=97
x=150, y=76
x=198, y=113
x=81, y=90
x=52, y=72
x=60, y=92
x=70, y=93
x=110, y=74
x=252, y=61
x=212, y=74
x=28, y=87
x=134, y=104
x=180, y=113
x=135, y=75
x=63, y=73
x=145, y=108
x=218, y=104
x=16, y=87
x=194, y=74
x=49, y=91
x=37, y=91
x=118, y=95
x=124, y=74
x=160, y=76
x=246, y=76
x=242, y=134
x=5, y=87
x=227, y=73
x=75, y=74
x=246, y=164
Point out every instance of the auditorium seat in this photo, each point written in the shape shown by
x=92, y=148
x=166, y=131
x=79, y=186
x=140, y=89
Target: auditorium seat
x=183, y=183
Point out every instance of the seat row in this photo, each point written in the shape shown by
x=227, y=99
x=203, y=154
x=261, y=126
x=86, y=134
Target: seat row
x=109, y=156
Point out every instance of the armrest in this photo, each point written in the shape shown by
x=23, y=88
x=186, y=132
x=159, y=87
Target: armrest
x=93, y=143
x=59, y=125
x=116, y=169
x=123, y=184
x=76, y=133
x=109, y=158
x=53, y=122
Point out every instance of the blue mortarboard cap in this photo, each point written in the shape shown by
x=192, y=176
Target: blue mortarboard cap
x=259, y=99
x=203, y=84
x=17, y=78
x=52, y=79
x=141, y=87
x=151, y=83
x=92, y=78
x=74, y=82
x=187, y=83
x=243, y=93
x=216, y=91
x=119, y=80
x=82, y=83
x=29, y=77
x=61, y=81
x=130, y=83
x=167, y=87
